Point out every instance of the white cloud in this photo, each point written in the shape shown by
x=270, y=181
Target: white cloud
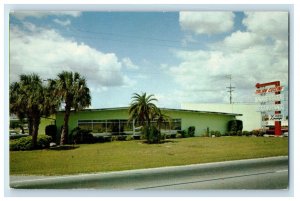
x=62, y=22
x=204, y=73
x=272, y=24
x=241, y=40
x=259, y=54
x=42, y=51
x=128, y=63
x=206, y=22
x=40, y=14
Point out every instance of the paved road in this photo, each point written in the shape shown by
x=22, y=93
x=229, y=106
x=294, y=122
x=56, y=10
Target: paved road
x=265, y=173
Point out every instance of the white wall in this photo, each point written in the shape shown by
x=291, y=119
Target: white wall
x=251, y=118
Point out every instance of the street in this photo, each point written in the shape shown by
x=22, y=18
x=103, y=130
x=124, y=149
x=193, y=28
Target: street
x=264, y=173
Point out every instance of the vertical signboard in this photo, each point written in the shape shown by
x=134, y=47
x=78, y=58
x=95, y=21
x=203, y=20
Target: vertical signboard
x=269, y=96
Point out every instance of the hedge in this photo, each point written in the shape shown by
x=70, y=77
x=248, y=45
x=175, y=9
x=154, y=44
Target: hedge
x=25, y=143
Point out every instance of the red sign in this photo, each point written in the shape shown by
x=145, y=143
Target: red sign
x=269, y=90
x=261, y=91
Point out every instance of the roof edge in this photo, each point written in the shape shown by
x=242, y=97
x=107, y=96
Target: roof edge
x=164, y=109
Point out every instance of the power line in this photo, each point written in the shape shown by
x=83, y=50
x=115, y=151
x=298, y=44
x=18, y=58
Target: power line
x=230, y=89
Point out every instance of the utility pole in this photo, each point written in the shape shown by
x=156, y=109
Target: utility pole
x=230, y=89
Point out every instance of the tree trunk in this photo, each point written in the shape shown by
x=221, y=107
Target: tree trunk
x=64, y=134
x=30, y=125
x=35, y=130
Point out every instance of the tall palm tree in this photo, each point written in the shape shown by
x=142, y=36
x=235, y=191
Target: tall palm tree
x=27, y=100
x=162, y=119
x=71, y=89
x=142, y=108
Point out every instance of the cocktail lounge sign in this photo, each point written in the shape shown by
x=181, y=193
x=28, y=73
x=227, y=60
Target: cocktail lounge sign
x=269, y=90
x=269, y=97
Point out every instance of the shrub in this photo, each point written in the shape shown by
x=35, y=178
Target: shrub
x=215, y=133
x=261, y=133
x=80, y=136
x=183, y=133
x=152, y=134
x=232, y=133
x=25, y=143
x=255, y=132
x=226, y=133
x=122, y=137
x=43, y=141
x=239, y=133
x=258, y=132
x=246, y=133
x=191, y=131
x=234, y=126
x=51, y=130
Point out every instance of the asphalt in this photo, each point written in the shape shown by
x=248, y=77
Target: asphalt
x=262, y=173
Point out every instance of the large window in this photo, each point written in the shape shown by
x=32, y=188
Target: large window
x=113, y=126
x=174, y=124
x=99, y=126
x=121, y=126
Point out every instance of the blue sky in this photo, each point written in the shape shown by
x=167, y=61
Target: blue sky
x=177, y=56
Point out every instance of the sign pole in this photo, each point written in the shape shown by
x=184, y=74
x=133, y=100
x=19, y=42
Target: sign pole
x=277, y=123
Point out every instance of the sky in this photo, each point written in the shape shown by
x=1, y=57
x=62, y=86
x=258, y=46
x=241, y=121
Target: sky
x=178, y=57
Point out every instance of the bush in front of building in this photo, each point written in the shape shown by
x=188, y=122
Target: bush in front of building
x=239, y=133
x=258, y=132
x=152, y=134
x=80, y=136
x=121, y=138
x=21, y=144
x=215, y=133
x=191, y=131
x=51, y=130
x=234, y=126
x=183, y=133
x=246, y=133
x=25, y=143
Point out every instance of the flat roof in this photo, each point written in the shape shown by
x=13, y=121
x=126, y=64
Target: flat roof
x=168, y=109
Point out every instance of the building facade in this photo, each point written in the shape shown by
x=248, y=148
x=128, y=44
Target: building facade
x=115, y=120
x=250, y=116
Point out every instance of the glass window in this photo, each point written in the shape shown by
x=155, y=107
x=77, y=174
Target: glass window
x=86, y=126
x=113, y=127
x=176, y=124
x=121, y=126
x=125, y=126
x=99, y=127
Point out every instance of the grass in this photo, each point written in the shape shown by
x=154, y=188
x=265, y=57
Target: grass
x=125, y=155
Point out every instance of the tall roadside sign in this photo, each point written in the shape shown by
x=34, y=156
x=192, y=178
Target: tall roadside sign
x=269, y=96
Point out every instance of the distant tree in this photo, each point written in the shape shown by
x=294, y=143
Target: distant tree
x=70, y=89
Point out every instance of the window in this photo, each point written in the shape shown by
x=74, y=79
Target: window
x=121, y=126
x=113, y=126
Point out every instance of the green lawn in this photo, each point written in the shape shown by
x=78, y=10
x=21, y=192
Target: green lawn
x=125, y=155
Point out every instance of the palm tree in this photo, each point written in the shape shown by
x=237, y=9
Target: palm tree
x=71, y=89
x=161, y=119
x=17, y=104
x=142, y=109
x=27, y=100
